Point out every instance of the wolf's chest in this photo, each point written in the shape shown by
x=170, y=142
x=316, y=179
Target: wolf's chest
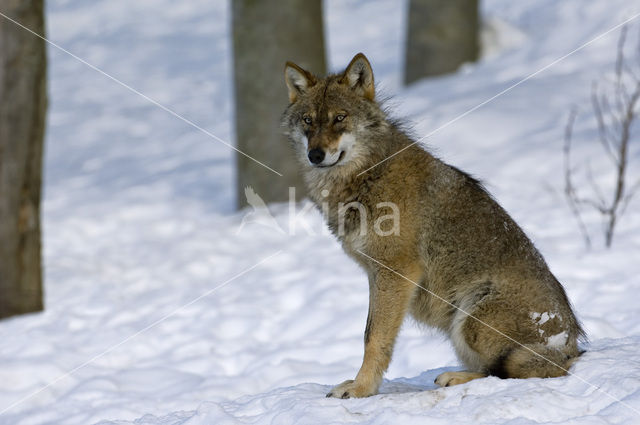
x=349, y=223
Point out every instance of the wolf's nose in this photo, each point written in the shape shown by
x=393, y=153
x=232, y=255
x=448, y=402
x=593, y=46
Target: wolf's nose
x=316, y=155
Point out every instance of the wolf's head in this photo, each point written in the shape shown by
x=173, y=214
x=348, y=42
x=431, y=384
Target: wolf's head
x=332, y=121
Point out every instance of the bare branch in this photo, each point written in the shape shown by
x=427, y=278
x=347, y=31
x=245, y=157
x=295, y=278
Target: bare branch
x=614, y=126
x=615, y=111
x=627, y=199
x=569, y=189
x=602, y=209
x=603, y=130
x=595, y=187
x=619, y=68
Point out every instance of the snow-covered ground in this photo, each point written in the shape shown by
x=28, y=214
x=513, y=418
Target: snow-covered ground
x=166, y=314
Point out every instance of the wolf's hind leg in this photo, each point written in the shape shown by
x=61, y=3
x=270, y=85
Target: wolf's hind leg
x=507, y=343
x=448, y=379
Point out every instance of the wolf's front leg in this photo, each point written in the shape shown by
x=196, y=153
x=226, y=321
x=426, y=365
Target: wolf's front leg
x=389, y=296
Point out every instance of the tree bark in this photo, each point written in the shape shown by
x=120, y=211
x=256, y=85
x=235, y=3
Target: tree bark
x=442, y=35
x=266, y=34
x=23, y=103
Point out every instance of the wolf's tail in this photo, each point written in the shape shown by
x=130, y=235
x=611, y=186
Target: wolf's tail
x=535, y=361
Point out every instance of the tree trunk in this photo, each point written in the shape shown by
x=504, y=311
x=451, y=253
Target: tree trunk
x=442, y=35
x=23, y=103
x=266, y=34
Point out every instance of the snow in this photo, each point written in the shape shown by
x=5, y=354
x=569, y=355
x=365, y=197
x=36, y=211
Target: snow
x=557, y=340
x=166, y=310
x=542, y=318
x=414, y=400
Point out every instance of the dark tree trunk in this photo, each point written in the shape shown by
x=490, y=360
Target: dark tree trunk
x=266, y=34
x=442, y=35
x=23, y=103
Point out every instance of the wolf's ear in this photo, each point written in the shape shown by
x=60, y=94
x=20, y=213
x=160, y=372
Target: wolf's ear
x=298, y=80
x=359, y=76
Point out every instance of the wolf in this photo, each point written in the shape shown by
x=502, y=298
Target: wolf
x=458, y=261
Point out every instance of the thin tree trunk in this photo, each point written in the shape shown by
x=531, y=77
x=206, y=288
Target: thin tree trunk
x=22, y=121
x=266, y=34
x=442, y=35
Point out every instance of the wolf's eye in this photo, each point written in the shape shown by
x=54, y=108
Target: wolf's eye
x=340, y=117
x=307, y=120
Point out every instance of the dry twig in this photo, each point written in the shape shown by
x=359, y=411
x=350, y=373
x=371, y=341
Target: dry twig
x=615, y=110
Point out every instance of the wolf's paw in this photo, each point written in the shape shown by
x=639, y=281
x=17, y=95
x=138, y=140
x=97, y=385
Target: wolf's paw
x=448, y=379
x=351, y=389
